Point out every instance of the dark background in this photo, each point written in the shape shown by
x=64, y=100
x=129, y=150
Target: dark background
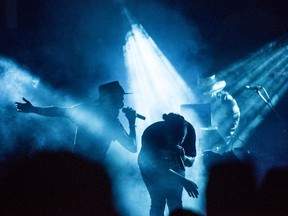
x=64, y=40
x=74, y=45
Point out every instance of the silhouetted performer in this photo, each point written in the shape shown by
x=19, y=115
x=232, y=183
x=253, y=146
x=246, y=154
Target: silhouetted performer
x=225, y=111
x=97, y=122
x=167, y=147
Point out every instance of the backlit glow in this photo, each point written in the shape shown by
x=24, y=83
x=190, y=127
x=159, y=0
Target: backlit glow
x=268, y=68
x=157, y=87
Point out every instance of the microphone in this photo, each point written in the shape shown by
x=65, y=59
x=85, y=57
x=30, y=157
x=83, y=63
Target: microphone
x=124, y=110
x=254, y=88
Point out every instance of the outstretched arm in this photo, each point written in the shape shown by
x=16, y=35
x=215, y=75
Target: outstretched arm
x=27, y=107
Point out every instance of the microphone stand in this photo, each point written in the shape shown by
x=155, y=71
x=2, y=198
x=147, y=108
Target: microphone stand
x=271, y=106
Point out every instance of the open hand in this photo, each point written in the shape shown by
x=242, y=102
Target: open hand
x=24, y=107
x=191, y=188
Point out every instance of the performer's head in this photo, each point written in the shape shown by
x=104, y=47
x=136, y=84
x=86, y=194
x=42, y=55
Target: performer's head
x=111, y=95
x=176, y=128
x=209, y=86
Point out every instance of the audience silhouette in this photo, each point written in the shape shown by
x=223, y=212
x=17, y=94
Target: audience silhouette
x=62, y=183
x=231, y=190
x=55, y=183
x=184, y=212
x=273, y=193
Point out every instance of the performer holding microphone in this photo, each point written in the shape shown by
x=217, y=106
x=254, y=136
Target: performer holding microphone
x=97, y=122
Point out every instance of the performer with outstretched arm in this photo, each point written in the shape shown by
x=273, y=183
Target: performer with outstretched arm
x=97, y=122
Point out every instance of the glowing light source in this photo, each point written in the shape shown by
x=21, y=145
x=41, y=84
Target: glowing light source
x=156, y=85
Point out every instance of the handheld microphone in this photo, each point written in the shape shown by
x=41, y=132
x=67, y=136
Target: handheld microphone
x=124, y=110
x=254, y=88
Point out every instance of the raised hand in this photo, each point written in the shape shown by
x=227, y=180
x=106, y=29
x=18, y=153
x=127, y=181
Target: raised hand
x=24, y=107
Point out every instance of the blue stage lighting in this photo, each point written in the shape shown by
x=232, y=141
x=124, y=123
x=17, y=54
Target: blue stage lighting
x=267, y=69
x=156, y=85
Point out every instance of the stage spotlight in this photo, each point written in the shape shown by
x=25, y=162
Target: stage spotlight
x=157, y=87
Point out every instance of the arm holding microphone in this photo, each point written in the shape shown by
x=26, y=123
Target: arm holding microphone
x=131, y=116
x=127, y=109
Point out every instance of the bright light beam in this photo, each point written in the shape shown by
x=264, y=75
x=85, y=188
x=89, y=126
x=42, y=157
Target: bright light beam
x=157, y=87
x=267, y=68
